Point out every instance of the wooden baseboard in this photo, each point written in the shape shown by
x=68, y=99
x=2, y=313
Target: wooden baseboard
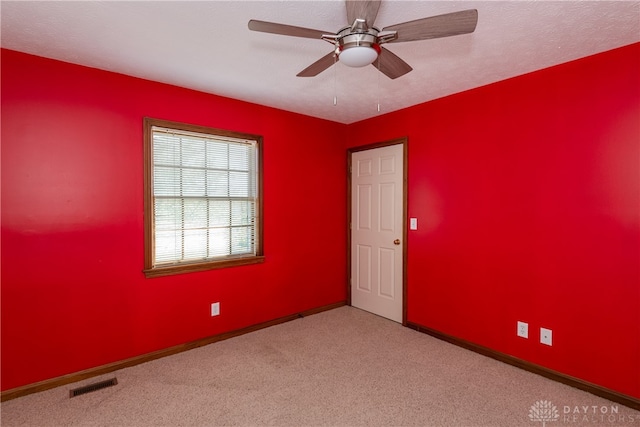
x=111, y=367
x=612, y=395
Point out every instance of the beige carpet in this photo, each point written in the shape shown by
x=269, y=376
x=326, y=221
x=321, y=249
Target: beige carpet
x=344, y=367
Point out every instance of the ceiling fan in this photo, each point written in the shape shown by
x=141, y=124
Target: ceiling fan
x=360, y=43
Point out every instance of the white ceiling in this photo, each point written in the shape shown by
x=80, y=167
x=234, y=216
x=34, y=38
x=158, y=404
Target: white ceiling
x=206, y=45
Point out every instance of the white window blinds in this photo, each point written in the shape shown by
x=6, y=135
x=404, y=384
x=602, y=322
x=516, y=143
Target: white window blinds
x=205, y=196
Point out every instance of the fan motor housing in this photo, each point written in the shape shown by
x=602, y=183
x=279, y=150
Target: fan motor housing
x=347, y=39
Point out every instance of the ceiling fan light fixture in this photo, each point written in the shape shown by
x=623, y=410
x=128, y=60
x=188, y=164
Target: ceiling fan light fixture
x=358, y=49
x=358, y=56
x=358, y=44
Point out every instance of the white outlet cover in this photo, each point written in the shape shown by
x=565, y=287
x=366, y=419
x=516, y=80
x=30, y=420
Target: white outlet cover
x=546, y=336
x=413, y=223
x=523, y=330
x=215, y=309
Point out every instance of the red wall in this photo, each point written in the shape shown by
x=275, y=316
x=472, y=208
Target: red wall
x=527, y=194
x=73, y=292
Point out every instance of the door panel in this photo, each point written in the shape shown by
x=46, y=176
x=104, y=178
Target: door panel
x=377, y=184
x=387, y=273
x=364, y=202
x=363, y=278
x=386, y=207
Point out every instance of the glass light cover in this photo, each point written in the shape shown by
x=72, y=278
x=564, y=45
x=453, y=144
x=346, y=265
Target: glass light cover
x=358, y=56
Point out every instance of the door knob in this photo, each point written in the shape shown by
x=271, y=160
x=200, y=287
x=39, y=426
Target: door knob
x=396, y=242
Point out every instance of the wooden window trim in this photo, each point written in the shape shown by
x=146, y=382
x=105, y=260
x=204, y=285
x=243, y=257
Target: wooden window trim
x=190, y=267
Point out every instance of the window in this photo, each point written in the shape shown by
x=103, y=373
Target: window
x=203, y=189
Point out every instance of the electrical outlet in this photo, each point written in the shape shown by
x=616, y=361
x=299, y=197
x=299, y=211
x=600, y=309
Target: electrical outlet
x=215, y=309
x=523, y=329
x=545, y=336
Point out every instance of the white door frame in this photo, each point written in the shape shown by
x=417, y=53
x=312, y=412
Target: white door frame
x=350, y=151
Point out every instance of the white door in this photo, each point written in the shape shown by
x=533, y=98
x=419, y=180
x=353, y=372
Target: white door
x=377, y=191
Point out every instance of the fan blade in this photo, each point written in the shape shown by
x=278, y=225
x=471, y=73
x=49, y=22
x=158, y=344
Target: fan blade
x=449, y=24
x=362, y=9
x=285, y=30
x=390, y=64
x=319, y=66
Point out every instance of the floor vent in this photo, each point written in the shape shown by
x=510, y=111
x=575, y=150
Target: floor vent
x=92, y=387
